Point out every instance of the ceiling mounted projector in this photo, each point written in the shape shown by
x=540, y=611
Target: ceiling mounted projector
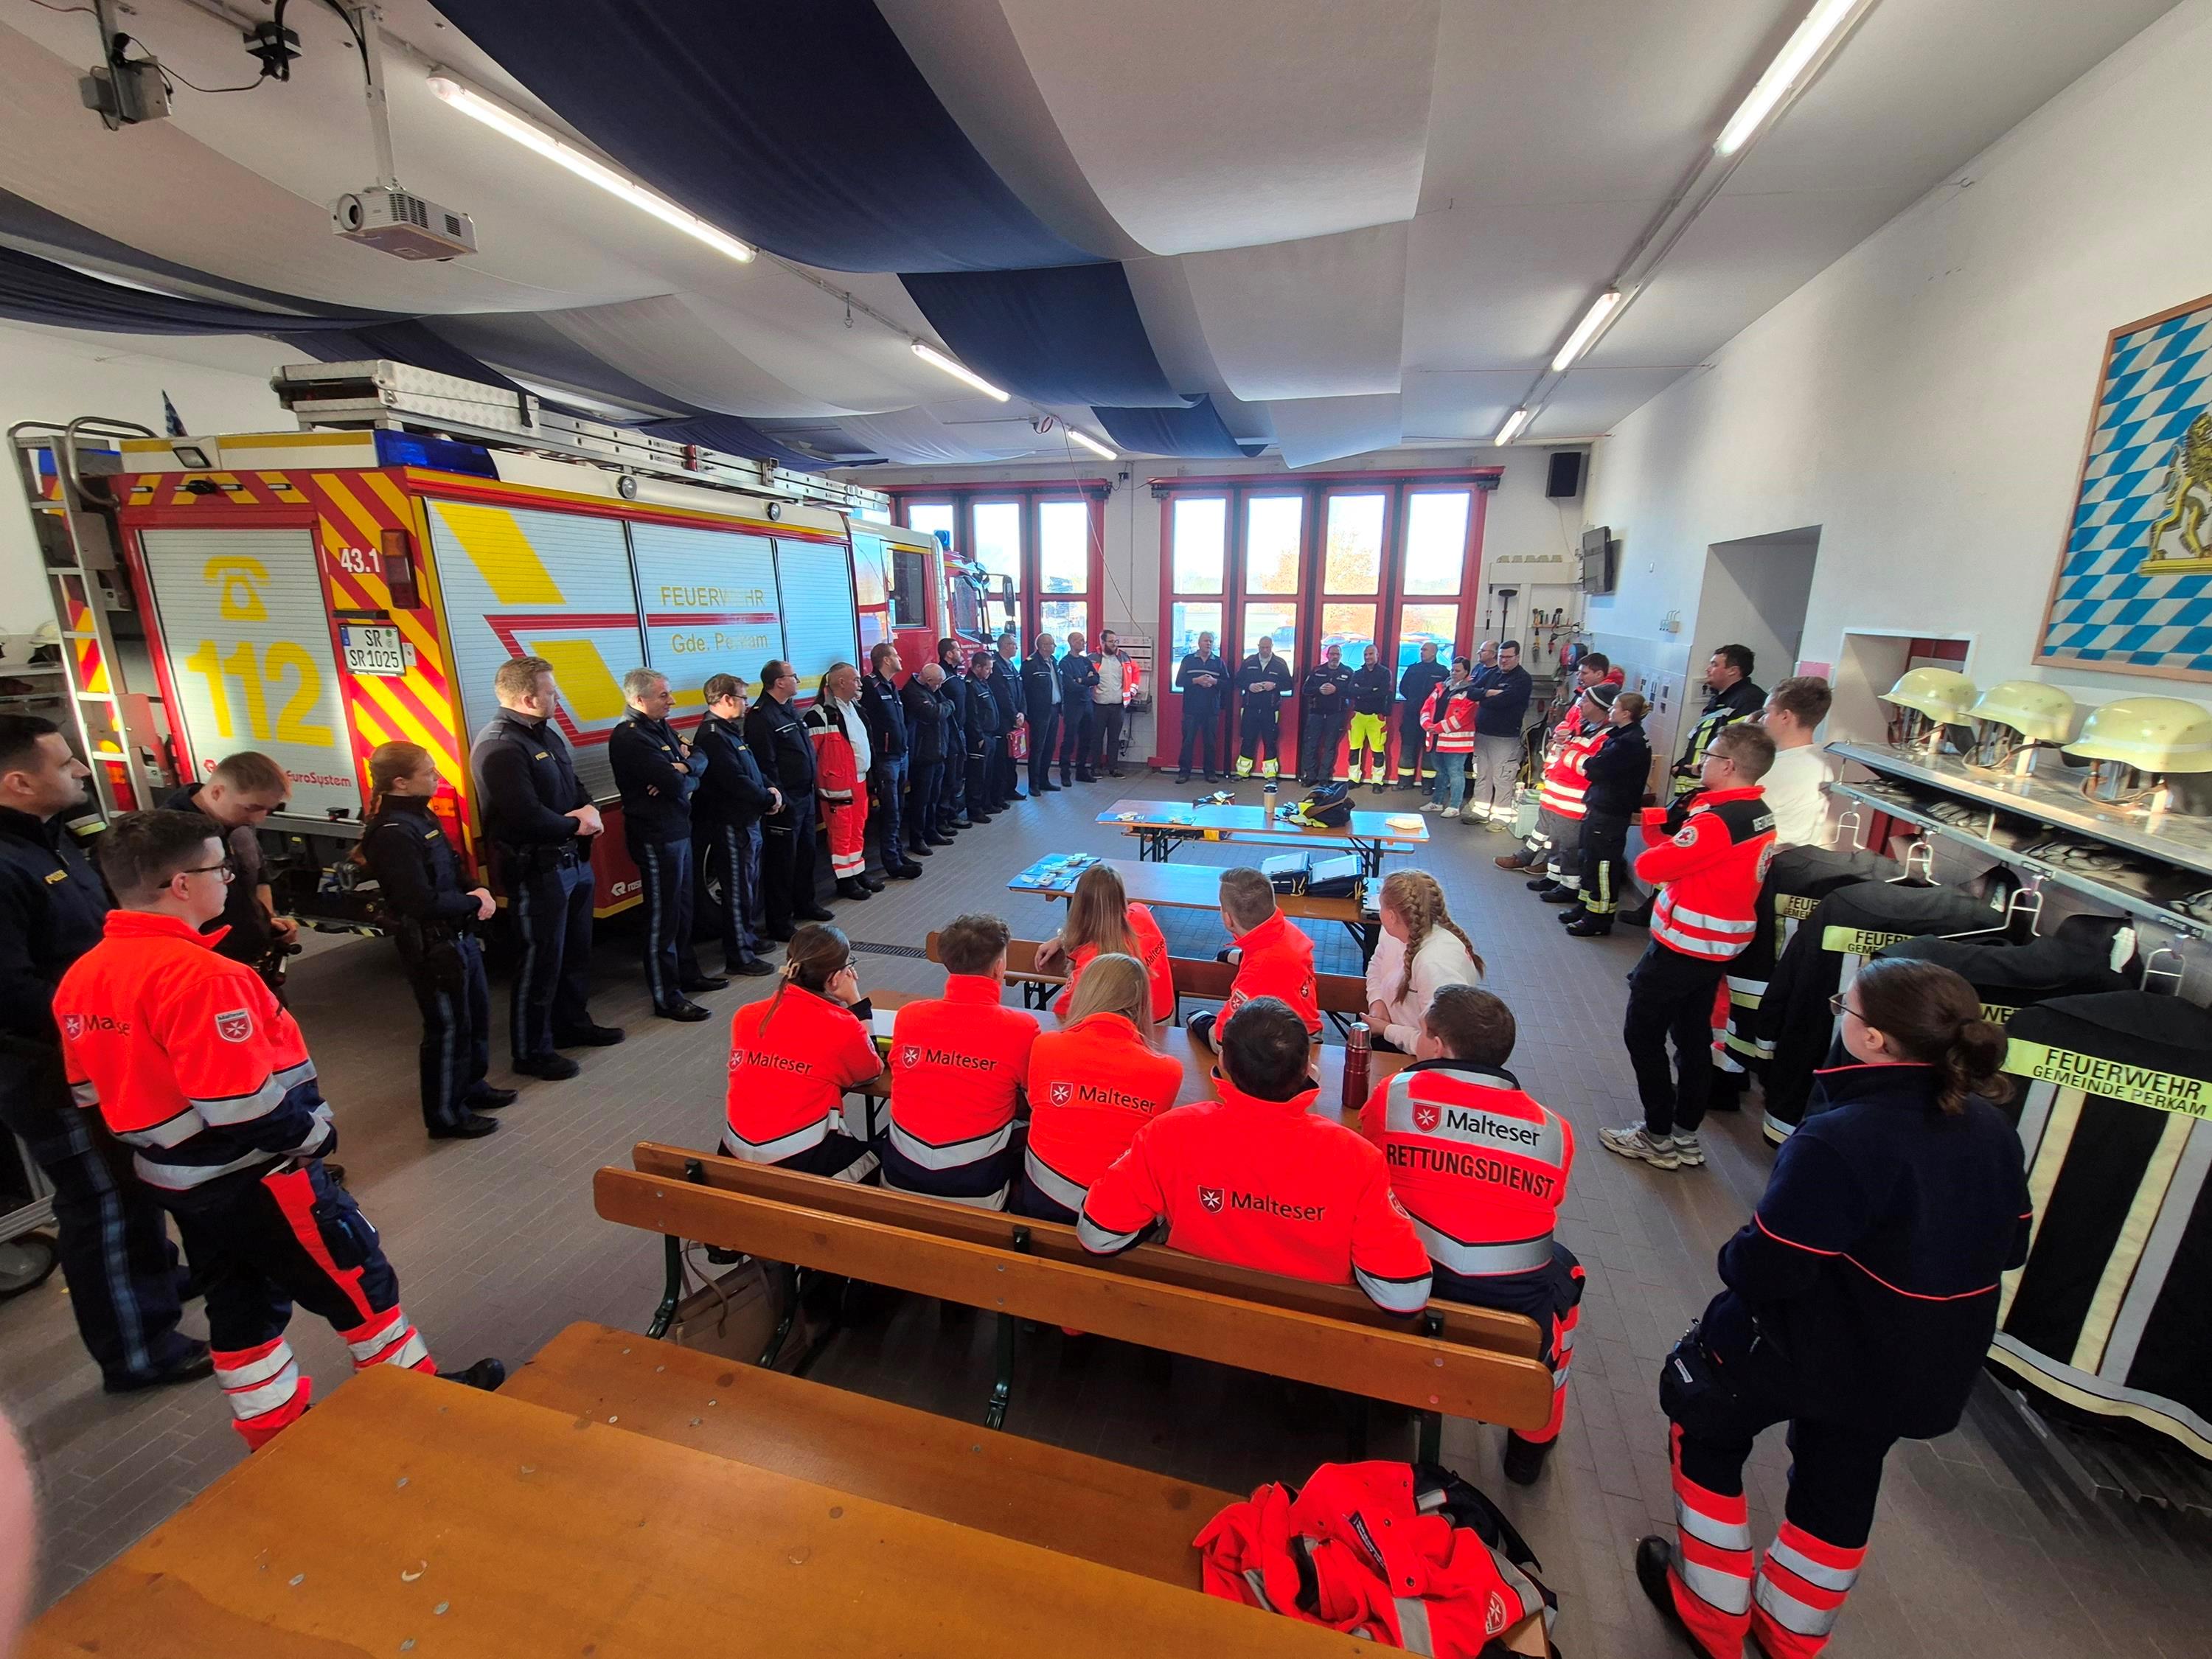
x=395, y=221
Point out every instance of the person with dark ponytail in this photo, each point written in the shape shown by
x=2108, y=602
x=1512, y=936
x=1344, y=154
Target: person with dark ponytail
x=793, y=1055
x=1860, y=1300
x=433, y=918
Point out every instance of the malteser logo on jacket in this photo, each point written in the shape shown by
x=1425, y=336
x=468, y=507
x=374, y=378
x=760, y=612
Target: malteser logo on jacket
x=1212, y=1198
x=1217, y=1199
x=910, y=1056
x=914, y=1054
x=235, y=1026
x=74, y=1026
x=1062, y=1093
x=1427, y=1116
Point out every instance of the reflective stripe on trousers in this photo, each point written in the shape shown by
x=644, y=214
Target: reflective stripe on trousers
x=1052, y=1184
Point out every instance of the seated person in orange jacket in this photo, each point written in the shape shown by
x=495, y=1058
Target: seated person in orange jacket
x=792, y=1057
x=1274, y=959
x=1256, y=1180
x=1093, y=1084
x=1102, y=920
x=959, y=1063
x=1481, y=1167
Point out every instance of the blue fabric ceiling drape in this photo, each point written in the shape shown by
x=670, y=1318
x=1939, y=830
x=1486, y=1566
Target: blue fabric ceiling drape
x=736, y=436
x=805, y=129
x=36, y=290
x=1196, y=433
x=1070, y=334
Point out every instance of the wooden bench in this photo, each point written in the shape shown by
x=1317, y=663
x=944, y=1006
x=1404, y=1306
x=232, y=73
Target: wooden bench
x=1342, y=997
x=1452, y=1360
x=1017, y=1488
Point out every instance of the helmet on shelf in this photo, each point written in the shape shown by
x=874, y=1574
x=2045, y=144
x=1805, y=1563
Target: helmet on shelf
x=1923, y=703
x=2015, y=716
x=2151, y=734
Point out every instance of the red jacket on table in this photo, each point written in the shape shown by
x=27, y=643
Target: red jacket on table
x=1266, y=1184
x=958, y=1062
x=1277, y=962
x=1452, y=733
x=1564, y=789
x=1713, y=868
x=788, y=1074
x=1479, y=1166
x=188, y=1058
x=1152, y=950
x=1092, y=1085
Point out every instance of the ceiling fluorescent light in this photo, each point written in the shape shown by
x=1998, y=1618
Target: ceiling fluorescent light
x=531, y=135
x=936, y=359
x=1511, y=429
x=1091, y=444
x=1586, y=331
x=1820, y=24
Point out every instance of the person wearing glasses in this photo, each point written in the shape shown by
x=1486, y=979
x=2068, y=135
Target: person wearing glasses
x=192, y=1062
x=1857, y=1305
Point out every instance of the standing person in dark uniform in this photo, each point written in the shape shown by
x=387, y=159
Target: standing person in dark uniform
x=928, y=720
x=1858, y=1303
x=1006, y=692
x=1414, y=686
x=540, y=818
x=111, y=1237
x=984, y=737
x=1730, y=696
x=1263, y=681
x=434, y=921
x=239, y=794
x=1079, y=728
x=777, y=737
x=1325, y=710
x=726, y=821
x=1042, y=695
x=1369, y=753
x=954, y=691
x=1203, y=679
x=658, y=773
x=885, y=715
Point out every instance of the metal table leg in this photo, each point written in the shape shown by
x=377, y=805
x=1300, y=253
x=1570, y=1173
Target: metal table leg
x=673, y=1290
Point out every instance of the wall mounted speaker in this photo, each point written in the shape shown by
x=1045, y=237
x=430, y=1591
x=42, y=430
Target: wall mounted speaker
x=1563, y=478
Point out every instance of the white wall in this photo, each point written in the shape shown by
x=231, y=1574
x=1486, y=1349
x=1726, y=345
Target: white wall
x=56, y=375
x=1922, y=402
x=1526, y=539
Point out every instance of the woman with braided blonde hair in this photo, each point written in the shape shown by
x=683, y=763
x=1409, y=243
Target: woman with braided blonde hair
x=1421, y=949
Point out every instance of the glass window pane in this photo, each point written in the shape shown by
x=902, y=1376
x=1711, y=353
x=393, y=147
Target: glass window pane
x=1063, y=547
x=1435, y=540
x=1186, y=623
x=1281, y=621
x=1354, y=563
x=1271, y=543
x=930, y=517
x=1419, y=625
x=1060, y=617
x=1201, y=535
x=1351, y=626
x=999, y=539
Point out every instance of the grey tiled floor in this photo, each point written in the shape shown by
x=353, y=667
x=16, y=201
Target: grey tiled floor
x=1975, y=1551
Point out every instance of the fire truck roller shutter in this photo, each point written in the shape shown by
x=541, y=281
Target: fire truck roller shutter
x=710, y=607
x=525, y=582
x=819, y=627
x=247, y=638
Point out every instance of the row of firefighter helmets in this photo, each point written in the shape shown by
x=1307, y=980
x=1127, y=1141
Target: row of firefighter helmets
x=2129, y=744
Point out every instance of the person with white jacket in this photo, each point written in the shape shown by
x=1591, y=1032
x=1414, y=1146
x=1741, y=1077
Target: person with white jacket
x=1421, y=949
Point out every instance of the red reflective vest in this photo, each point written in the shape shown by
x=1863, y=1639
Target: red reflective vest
x=1266, y=1184
x=1152, y=949
x=837, y=768
x=1277, y=962
x=1092, y=1085
x=1564, y=789
x=792, y=1058
x=1479, y=1165
x=1713, y=869
x=1453, y=732
x=187, y=1057
x=958, y=1063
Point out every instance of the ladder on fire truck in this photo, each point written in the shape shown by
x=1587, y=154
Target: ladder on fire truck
x=60, y=469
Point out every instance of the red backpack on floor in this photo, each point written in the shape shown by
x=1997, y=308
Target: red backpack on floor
x=1401, y=1554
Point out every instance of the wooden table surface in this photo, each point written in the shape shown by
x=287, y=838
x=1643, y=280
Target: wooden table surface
x=408, y=1516
x=1238, y=821
x=1197, y=1059
x=1197, y=887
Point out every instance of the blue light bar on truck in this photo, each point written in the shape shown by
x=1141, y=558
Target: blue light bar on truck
x=436, y=454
